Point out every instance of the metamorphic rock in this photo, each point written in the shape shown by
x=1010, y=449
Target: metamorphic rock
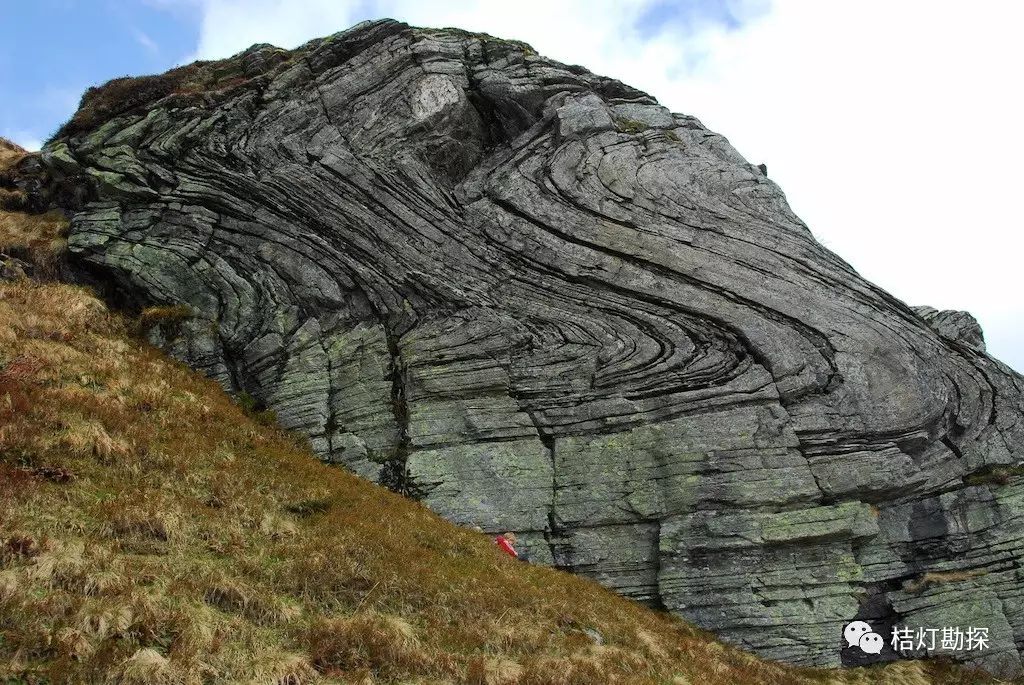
x=537, y=301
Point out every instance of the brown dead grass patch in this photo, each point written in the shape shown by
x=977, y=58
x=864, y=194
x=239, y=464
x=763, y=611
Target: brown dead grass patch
x=38, y=239
x=381, y=645
x=10, y=154
x=933, y=578
x=189, y=83
x=32, y=232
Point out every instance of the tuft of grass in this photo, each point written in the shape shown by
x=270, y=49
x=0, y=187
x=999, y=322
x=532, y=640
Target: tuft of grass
x=256, y=410
x=40, y=240
x=625, y=125
x=194, y=544
x=933, y=578
x=147, y=667
x=379, y=645
x=10, y=154
x=169, y=315
x=233, y=596
x=995, y=475
x=285, y=669
x=308, y=507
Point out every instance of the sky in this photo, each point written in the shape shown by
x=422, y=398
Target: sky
x=893, y=127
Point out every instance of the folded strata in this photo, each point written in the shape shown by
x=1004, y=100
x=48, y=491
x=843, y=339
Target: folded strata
x=538, y=301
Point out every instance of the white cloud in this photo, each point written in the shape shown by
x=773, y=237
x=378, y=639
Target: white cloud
x=229, y=26
x=893, y=127
x=23, y=138
x=895, y=130
x=147, y=43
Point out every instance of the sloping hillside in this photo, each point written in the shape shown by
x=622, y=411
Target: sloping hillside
x=154, y=531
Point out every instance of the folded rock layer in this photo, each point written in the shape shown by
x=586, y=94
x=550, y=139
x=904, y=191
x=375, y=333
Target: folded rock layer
x=538, y=301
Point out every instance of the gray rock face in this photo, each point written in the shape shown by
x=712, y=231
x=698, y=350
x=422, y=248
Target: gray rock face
x=954, y=326
x=541, y=302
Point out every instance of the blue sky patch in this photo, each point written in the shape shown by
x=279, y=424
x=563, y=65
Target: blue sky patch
x=692, y=14
x=52, y=50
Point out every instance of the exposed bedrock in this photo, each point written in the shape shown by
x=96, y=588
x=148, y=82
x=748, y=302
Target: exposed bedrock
x=541, y=302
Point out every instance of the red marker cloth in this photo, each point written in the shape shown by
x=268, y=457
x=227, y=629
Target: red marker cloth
x=506, y=547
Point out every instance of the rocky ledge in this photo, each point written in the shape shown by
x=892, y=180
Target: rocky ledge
x=538, y=301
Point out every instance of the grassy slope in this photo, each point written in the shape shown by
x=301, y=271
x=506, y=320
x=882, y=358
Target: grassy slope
x=35, y=239
x=151, y=531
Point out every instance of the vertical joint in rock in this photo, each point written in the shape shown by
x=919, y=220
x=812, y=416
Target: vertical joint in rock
x=331, y=421
x=657, y=601
x=319, y=93
x=553, y=527
x=395, y=473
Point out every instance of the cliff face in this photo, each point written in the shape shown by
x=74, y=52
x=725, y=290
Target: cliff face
x=538, y=301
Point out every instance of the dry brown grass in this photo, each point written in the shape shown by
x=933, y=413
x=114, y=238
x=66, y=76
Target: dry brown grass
x=167, y=315
x=37, y=239
x=933, y=578
x=10, y=154
x=152, y=532
x=134, y=94
x=125, y=94
x=31, y=231
x=374, y=645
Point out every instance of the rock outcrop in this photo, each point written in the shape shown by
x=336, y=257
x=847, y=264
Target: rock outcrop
x=955, y=326
x=538, y=301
